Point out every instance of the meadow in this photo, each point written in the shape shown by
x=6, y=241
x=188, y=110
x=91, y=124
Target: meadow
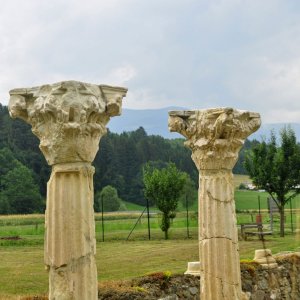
x=118, y=257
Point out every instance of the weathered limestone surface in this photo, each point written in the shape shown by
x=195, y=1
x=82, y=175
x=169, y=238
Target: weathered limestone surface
x=69, y=118
x=265, y=259
x=193, y=268
x=215, y=137
x=70, y=244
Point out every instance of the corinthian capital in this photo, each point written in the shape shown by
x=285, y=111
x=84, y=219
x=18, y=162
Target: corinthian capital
x=68, y=117
x=216, y=135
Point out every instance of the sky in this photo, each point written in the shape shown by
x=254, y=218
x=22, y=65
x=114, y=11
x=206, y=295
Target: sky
x=187, y=53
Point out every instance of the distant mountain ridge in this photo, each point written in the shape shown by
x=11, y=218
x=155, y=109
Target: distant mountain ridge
x=155, y=122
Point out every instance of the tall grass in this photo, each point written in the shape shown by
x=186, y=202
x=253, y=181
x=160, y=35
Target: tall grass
x=117, y=225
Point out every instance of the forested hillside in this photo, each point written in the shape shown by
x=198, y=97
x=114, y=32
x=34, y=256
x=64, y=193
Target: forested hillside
x=118, y=163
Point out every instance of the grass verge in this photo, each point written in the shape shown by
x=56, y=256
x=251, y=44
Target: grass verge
x=22, y=271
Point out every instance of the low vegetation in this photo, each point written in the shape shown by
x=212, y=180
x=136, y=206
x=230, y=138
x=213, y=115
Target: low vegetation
x=118, y=163
x=22, y=238
x=22, y=271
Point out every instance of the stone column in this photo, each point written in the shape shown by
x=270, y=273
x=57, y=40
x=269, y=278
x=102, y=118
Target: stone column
x=69, y=118
x=215, y=137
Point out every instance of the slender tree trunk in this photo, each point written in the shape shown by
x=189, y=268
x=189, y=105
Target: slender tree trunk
x=281, y=211
x=166, y=235
x=166, y=224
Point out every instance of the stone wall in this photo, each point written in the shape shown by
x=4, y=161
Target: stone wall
x=282, y=283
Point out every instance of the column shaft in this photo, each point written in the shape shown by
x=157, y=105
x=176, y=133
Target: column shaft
x=215, y=137
x=69, y=118
x=218, y=237
x=70, y=233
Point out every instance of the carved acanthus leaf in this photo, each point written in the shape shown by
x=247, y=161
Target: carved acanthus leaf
x=68, y=117
x=216, y=135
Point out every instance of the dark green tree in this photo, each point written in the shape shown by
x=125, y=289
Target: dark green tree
x=7, y=162
x=110, y=198
x=189, y=193
x=16, y=135
x=276, y=169
x=19, y=193
x=4, y=204
x=119, y=161
x=164, y=188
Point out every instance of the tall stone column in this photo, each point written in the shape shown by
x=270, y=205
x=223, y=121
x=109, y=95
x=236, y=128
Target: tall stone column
x=69, y=118
x=215, y=137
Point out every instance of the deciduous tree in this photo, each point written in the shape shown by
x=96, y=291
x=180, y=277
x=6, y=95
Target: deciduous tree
x=20, y=194
x=190, y=194
x=164, y=187
x=109, y=197
x=276, y=169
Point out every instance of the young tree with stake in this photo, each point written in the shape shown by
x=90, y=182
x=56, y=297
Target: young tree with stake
x=164, y=187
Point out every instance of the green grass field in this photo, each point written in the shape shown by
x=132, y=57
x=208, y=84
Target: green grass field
x=22, y=271
x=238, y=179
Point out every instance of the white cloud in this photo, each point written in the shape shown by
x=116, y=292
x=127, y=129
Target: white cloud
x=144, y=98
x=267, y=79
x=282, y=115
x=121, y=75
x=191, y=53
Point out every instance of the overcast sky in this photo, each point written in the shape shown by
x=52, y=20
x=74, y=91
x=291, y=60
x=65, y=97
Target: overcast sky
x=188, y=53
